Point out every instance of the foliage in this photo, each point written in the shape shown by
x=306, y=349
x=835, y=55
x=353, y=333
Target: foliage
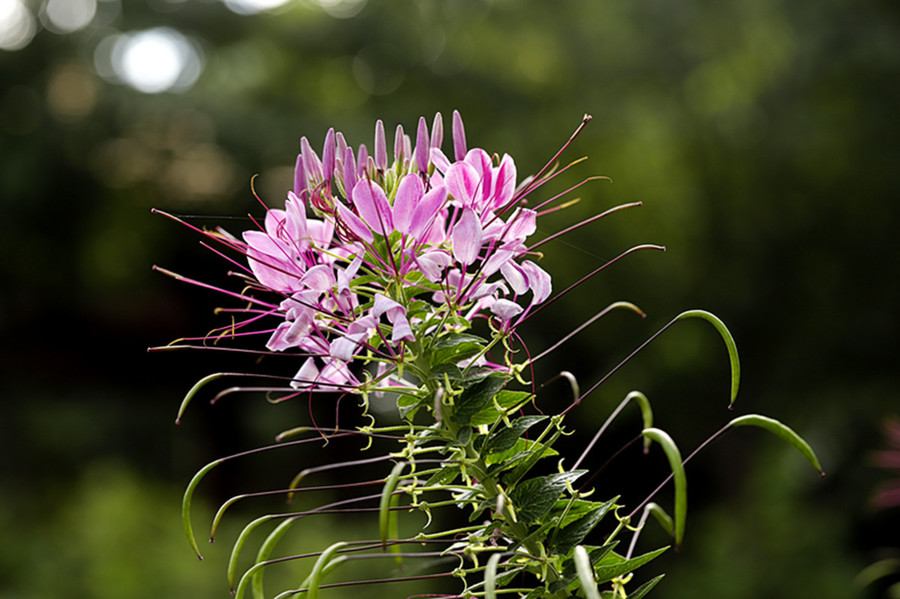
x=383, y=292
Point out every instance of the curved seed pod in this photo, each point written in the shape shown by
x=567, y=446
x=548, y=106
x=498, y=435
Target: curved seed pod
x=777, y=428
x=585, y=573
x=384, y=512
x=315, y=577
x=193, y=391
x=265, y=551
x=674, y=456
x=729, y=343
x=186, y=504
x=490, y=577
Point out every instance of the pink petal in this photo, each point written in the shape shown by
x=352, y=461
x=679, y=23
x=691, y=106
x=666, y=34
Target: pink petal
x=263, y=256
x=422, y=145
x=311, y=163
x=467, y=236
x=462, y=182
x=319, y=278
x=328, y=155
x=380, y=146
x=306, y=376
x=439, y=160
x=336, y=373
x=515, y=276
x=399, y=136
x=373, y=206
x=435, y=234
x=504, y=182
x=437, y=130
x=432, y=264
x=355, y=224
x=459, y=136
x=498, y=258
x=506, y=309
x=274, y=223
x=426, y=211
x=383, y=304
x=538, y=281
x=349, y=169
x=409, y=192
x=295, y=214
x=522, y=224
x=401, y=329
x=320, y=232
x=480, y=160
x=299, y=177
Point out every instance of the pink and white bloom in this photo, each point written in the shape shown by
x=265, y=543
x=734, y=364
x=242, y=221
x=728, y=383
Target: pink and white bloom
x=359, y=238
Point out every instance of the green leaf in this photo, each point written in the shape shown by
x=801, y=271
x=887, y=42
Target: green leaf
x=535, y=497
x=538, y=452
x=777, y=428
x=571, y=535
x=510, y=458
x=464, y=435
x=585, y=571
x=445, y=475
x=569, y=575
x=675, y=463
x=508, y=401
x=615, y=565
x=645, y=588
x=570, y=510
x=729, y=344
x=475, y=397
x=455, y=347
x=506, y=438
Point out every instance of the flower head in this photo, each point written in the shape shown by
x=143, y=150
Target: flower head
x=370, y=257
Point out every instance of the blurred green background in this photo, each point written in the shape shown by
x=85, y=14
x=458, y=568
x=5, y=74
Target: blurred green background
x=762, y=137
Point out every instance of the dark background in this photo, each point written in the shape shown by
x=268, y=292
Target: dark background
x=762, y=138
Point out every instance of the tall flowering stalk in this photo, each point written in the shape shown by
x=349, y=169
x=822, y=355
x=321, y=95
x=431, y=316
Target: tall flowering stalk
x=412, y=278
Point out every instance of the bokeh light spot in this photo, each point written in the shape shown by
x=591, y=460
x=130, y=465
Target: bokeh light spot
x=17, y=25
x=342, y=9
x=152, y=61
x=251, y=7
x=66, y=16
x=71, y=92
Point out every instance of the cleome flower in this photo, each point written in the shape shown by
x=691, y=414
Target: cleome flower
x=370, y=257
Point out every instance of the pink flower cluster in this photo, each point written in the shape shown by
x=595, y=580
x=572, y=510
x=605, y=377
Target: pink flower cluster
x=372, y=257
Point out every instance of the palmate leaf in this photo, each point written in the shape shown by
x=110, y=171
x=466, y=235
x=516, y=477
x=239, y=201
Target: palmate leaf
x=569, y=573
x=645, y=588
x=505, y=402
x=475, y=398
x=572, y=534
x=535, y=497
x=523, y=450
x=455, y=347
x=614, y=565
x=506, y=438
